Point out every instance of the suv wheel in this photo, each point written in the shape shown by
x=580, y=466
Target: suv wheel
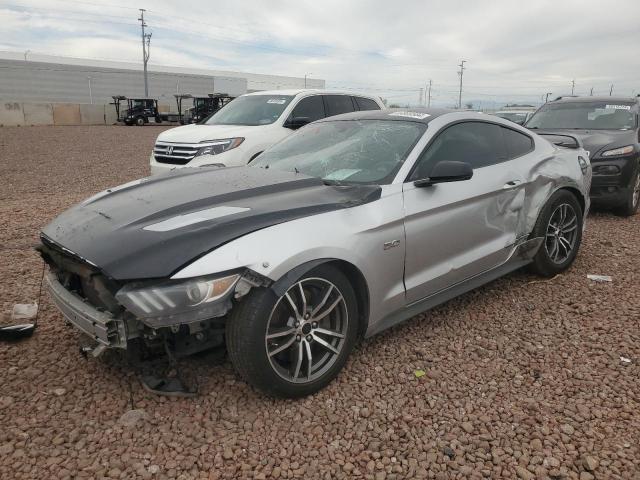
x=140, y=121
x=560, y=226
x=632, y=201
x=296, y=344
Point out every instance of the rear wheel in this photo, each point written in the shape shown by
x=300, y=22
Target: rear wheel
x=294, y=345
x=632, y=201
x=560, y=226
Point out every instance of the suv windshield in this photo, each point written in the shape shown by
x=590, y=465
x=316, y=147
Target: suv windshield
x=345, y=151
x=251, y=110
x=584, y=115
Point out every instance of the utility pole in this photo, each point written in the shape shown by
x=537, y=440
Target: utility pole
x=461, y=72
x=429, y=95
x=305, y=78
x=611, y=90
x=90, y=95
x=546, y=98
x=146, y=44
x=26, y=52
x=573, y=85
x=591, y=92
x=420, y=97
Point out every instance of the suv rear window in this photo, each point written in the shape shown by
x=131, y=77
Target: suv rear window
x=337, y=104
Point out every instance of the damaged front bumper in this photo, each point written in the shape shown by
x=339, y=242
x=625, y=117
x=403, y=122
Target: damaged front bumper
x=101, y=326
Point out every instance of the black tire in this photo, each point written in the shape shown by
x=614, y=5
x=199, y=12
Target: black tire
x=140, y=121
x=632, y=201
x=544, y=263
x=247, y=344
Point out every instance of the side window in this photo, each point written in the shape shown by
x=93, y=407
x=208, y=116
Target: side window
x=476, y=143
x=366, y=104
x=337, y=104
x=518, y=144
x=309, y=107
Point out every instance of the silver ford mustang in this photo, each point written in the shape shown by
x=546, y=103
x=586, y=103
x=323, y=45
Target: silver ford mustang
x=345, y=228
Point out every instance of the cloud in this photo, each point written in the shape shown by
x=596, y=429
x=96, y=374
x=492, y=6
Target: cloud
x=515, y=50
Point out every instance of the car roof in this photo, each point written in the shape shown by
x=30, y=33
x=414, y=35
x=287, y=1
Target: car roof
x=311, y=91
x=418, y=114
x=571, y=99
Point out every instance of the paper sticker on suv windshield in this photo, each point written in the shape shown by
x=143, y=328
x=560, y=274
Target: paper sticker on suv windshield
x=418, y=115
x=619, y=107
x=279, y=101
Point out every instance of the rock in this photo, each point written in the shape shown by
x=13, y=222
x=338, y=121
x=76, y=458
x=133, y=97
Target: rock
x=524, y=473
x=227, y=454
x=590, y=463
x=552, y=462
x=153, y=469
x=130, y=418
x=467, y=427
x=567, y=429
x=448, y=451
x=536, y=444
x=586, y=476
x=6, y=449
x=59, y=391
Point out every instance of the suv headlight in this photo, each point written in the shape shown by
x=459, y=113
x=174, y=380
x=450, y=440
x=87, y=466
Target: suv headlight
x=215, y=147
x=618, y=151
x=173, y=302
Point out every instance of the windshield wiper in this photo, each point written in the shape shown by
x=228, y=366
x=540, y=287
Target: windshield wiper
x=333, y=183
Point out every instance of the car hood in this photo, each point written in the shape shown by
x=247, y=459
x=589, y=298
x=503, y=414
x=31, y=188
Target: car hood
x=596, y=141
x=199, y=133
x=153, y=227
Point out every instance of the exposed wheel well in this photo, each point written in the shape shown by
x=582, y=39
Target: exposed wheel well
x=359, y=284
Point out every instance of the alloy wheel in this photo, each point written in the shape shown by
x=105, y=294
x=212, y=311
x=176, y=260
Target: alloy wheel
x=307, y=330
x=636, y=191
x=562, y=232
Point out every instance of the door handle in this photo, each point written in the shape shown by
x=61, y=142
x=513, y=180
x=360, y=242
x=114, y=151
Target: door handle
x=511, y=184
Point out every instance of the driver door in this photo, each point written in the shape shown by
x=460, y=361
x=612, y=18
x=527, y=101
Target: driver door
x=457, y=230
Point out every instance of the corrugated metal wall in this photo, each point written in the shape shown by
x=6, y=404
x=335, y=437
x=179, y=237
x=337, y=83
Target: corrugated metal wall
x=51, y=82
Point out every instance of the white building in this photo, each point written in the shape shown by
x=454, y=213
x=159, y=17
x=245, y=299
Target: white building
x=32, y=78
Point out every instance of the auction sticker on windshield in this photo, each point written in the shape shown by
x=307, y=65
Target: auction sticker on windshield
x=417, y=115
x=279, y=101
x=619, y=107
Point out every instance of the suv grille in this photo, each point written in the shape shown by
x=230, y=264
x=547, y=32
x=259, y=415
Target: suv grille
x=176, y=153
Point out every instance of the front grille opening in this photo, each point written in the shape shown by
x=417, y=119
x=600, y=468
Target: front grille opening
x=175, y=154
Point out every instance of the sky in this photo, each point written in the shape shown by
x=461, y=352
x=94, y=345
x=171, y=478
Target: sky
x=515, y=50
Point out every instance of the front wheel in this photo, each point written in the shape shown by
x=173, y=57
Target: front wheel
x=140, y=121
x=560, y=226
x=632, y=201
x=294, y=345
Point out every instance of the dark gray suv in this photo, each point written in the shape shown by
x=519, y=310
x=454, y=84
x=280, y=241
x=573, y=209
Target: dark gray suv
x=608, y=129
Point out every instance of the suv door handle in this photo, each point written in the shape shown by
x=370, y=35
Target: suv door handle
x=511, y=184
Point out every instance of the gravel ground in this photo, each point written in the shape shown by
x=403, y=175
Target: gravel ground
x=524, y=378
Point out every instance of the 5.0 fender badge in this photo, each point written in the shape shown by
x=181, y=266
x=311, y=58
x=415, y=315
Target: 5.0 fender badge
x=391, y=244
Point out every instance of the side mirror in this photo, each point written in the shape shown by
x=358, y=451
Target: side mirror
x=295, y=123
x=446, y=171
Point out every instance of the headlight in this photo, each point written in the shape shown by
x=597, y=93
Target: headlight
x=618, y=151
x=175, y=302
x=215, y=147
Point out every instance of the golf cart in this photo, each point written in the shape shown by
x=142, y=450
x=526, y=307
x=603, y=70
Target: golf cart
x=139, y=110
x=203, y=106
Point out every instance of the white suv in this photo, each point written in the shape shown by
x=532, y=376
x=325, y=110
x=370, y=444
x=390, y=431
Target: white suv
x=243, y=129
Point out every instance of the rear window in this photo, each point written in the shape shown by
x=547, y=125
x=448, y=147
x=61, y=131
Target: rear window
x=366, y=103
x=337, y=104
x=517, y=143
